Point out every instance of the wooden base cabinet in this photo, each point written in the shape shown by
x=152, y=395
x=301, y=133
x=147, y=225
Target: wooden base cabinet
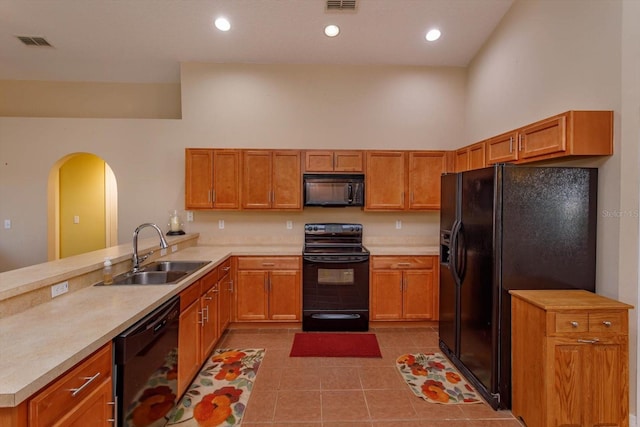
x=570, y=359
x=268, y=289
x=404, y=288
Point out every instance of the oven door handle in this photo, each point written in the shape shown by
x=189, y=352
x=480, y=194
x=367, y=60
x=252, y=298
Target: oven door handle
x=317, y=260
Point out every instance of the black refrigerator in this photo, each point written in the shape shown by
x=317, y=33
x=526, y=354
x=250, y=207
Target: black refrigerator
x=501, y=228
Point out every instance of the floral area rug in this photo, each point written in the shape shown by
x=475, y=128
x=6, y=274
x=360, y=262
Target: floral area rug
x=432, y=378
x=219, y=394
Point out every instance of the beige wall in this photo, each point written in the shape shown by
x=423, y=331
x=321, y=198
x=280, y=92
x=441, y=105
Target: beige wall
x=550, y=56
x=292, y=106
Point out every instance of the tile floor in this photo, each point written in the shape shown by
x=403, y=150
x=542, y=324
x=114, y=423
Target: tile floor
x=350, y=392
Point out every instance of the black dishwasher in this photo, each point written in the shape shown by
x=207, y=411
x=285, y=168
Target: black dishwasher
x=146, y=368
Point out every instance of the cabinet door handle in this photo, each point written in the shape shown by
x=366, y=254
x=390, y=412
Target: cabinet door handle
x=201, y=313
x=231, y=285
x=115, y=410
x=213, y=196
x=593, y=341
x=606, y=323
x=520, y=142
x=209, y=195
x=574, y=324
x=88, y=380
x=510, y=144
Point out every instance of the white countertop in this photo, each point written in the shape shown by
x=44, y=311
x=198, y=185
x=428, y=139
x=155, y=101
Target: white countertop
x=39, y=344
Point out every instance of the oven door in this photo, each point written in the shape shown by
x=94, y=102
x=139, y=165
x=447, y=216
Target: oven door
x=335, y=293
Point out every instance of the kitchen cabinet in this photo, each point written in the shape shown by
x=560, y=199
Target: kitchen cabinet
x=212, y=179
x=268, y=289
x=403, y=180
x=198, y=329
x=570, y=359
x=572, y=133
x=333, y=161
x=81, y=397
x=225, y=288
x=271, y=179
x=404, y=288
x=470, y=157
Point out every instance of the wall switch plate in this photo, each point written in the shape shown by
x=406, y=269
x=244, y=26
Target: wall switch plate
x=59, y=289
x=189, y=216
x=7, y=224
x=76, y=219
x=398, y=224
x=289, y=225
x=221, y=224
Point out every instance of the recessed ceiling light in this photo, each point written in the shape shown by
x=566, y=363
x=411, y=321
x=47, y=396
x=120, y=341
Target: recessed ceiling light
x=331, y=30
x=433, y=35
x=222, y=24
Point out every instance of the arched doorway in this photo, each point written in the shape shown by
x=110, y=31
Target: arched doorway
x=82, y=206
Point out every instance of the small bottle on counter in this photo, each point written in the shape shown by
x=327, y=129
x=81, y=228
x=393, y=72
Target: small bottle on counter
x=107, y=273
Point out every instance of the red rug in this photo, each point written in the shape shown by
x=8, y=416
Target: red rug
x=318, y=344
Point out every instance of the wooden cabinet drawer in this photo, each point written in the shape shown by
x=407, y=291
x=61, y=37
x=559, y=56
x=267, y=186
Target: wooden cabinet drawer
x=268, y=263
x=224, y=268
x=608, y=321
x=571, y=322
x=190, y=295
x=401, y=262
x=55, y=400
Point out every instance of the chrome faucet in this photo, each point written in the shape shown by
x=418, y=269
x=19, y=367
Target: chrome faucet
x=138, y=259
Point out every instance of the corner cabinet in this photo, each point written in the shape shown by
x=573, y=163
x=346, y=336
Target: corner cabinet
x=573, y=133
x=271, y=179
x=212, y=179
x=268, y=289
x=570, y=359
x=404, y=288
x=403, y=180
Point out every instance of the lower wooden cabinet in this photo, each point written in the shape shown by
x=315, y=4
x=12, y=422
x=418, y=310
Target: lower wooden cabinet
x=81, y=397
x=404, y=288
x=268, y=289
x=570, y=359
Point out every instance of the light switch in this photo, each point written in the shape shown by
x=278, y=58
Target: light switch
x=7, y=224
x=76, y=219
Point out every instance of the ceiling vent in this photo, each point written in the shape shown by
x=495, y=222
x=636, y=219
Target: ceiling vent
x=34, y=41
x=340, y=5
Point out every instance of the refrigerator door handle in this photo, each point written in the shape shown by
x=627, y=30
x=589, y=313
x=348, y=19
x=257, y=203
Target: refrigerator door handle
x=454, y=258
x=461, y=253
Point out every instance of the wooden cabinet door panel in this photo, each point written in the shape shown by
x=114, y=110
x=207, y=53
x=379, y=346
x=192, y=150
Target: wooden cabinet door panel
x=386, y=295
x=209, y=331
x=462, y=160
x=286, y=180
x=226, y=179
x=198, y=178
x=425, y=169
x=224, y=298
x=502, y=148
x=545, y=137
x=93, y=411
x=256, y=179
x=418, y=294
x=188, y=345
x=318, y=161
x=605, y=367
x=251, y=289
x=477, y=156
x=284, y=295
x=385, y=180
x=567, y=405
x=348, y=161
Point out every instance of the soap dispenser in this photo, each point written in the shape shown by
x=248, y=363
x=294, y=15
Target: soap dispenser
x=107, y=273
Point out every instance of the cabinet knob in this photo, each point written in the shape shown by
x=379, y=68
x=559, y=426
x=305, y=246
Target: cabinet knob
x=606, y=323
x=574, y=324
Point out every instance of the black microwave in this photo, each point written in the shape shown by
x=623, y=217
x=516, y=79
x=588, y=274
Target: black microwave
x=333, y=190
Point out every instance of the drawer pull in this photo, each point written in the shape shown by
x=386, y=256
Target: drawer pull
x=606, y=323
x=226, y=268
x=574, y=324
x=593, y=341
x=88, y=380
x=404, y=264
x=268, y=264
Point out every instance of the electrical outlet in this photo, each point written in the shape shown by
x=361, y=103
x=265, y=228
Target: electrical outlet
x=7, y=224
x=289, y=225
x=59, y=289
x=174, y=248
x=398, y=224
x=163, y=252
x=189, y=216
x=221, y=224
x=76, y=219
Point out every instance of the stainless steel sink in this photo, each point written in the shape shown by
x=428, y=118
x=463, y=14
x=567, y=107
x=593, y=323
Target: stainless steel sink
x=159, y=273
x=187, y=266
x=150, y=278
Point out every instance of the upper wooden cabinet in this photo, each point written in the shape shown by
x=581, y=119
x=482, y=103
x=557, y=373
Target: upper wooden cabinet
x=573, y=133
x=403, y=180
x=212, y=179
x=470, y=157
x=333, y=161
x=271, y=179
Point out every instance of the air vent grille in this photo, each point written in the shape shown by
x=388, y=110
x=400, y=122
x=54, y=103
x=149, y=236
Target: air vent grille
x=341, y=5
x=34, y=41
